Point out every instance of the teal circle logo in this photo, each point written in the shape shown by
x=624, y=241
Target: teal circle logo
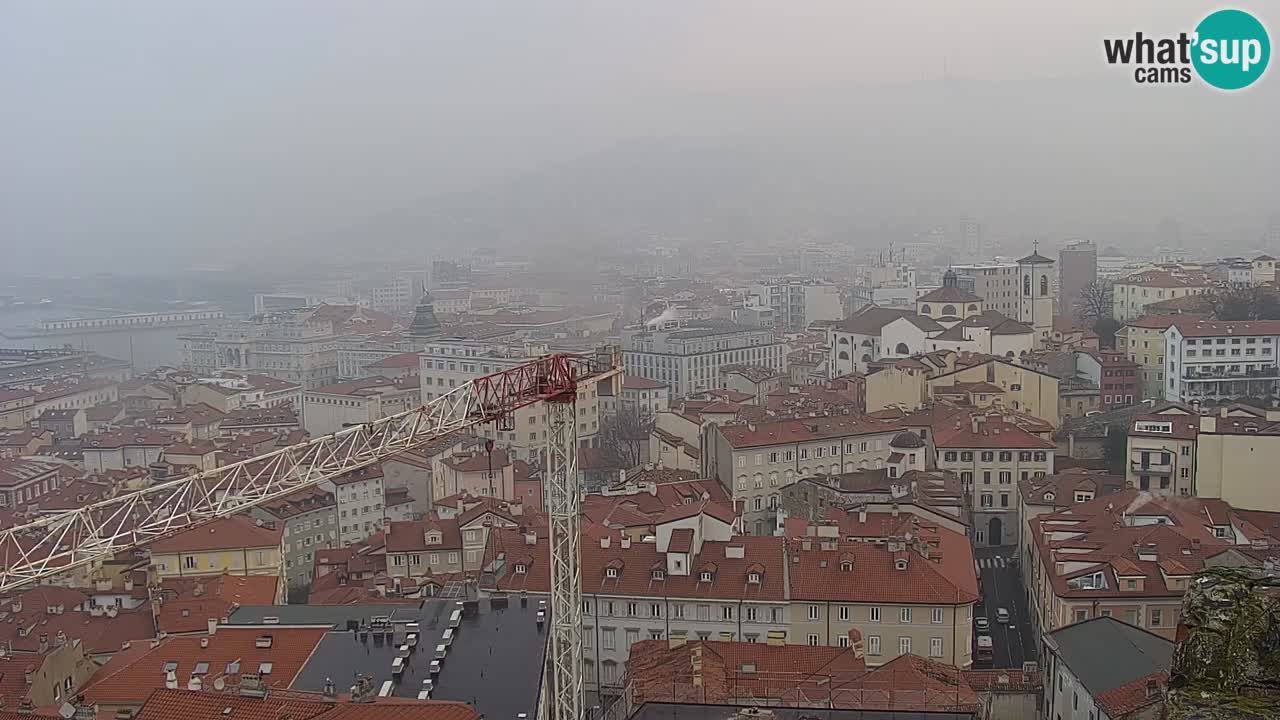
x=1231, y=49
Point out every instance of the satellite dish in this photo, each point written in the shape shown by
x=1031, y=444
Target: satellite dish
x=219, y=684
x=67, y=710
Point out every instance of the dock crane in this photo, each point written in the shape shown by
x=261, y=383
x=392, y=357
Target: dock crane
x=83, y=537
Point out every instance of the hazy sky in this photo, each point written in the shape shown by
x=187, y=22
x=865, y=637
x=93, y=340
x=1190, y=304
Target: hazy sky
x=145, y=131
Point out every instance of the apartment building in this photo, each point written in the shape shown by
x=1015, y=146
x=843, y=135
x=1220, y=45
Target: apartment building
x=1106, y=670
x=476, y=472
x=991, y=454
x=361, y=499
x=235, y=545
x=1144, y=342
x=1162, y=450
x=447, y=364
x=906, y=584
x=753, y=461
x=451, y=542
x=643, y=396
x=309, y=520
x=688, y=358
x=1134, y=292
x=1114, y=374
x=694, y=580
x=1131, y=556
x=1215, y=361
x=328, y=409
x=1237, y=453
x=23, y=481
x=796, y=302
x=1024, y=389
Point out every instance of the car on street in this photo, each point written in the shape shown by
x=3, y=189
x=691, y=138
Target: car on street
x=982, y=623
x=984, y=648
x=1002, y=616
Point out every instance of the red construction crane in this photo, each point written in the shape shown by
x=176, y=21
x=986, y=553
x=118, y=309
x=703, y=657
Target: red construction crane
x=88, y=536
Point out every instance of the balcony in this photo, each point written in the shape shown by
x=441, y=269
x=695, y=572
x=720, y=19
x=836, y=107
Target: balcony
x=1220, y=372
x=1154, y=464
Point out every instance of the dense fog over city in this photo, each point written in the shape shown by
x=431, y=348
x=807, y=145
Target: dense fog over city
x=169, y=135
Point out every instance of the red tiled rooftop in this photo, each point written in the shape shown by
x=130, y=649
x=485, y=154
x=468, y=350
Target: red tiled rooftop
x=131, y=677
x=229, y=533
x=794, y=431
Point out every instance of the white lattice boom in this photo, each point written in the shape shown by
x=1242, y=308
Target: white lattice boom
x=74, y=539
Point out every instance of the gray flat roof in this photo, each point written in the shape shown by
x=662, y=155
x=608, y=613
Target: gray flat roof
x=676, y=711
x=1105, y=653
x=497, y=645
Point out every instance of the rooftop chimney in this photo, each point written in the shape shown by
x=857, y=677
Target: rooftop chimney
x=213, y=626
x=171, y=680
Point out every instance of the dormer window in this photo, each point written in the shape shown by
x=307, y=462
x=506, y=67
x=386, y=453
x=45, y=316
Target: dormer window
x=521, y=568
x=1048, y=497
x=900, y=564
x=753, y=578
x=611, y=572
x=659, y=574
x=846, y=565
x=705, y=576
x=434, y=538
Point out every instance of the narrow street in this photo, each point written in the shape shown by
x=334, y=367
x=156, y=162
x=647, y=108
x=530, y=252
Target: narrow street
x=1001, y=587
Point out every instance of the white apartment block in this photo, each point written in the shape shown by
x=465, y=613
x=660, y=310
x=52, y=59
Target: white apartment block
x=1214, y=361
x=1132, y=293
x=360, y=503
x=399, y=293
x=798, y=302
x=688, y=358
x=447, y=364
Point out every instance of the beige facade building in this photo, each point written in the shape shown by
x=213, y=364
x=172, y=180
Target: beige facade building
x=1162, y=451
x=1134, y=292
x=328, y=409
x=1028, y=390
x=1131, y=556
x=991, y=455
x=1142, y=339
x=1237, y=456
x=754, y=460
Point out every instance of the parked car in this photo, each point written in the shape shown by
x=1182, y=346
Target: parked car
x=1002, y=616
x=982, y=623
x=984, y=648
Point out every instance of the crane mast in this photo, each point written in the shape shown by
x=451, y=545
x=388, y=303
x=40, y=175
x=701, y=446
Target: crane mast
x=85, y=537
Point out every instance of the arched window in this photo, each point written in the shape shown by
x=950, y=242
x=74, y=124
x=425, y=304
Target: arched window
x=1009, y=354
x=1026, y=285
x=924, y=309
x=948, y=309
x=902, y=349
x=1044, y=286
x=844, y=355
x=866, y=358
x=835, y=468
x=973, y=308
x=844, y=340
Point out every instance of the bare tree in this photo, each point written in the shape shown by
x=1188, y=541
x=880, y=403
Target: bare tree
x=1095, y=302
x=623, y=437
x=1244, y=302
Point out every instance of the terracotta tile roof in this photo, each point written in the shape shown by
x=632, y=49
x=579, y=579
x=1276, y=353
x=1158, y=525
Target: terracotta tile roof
x=1165, y=279
x=368, y=472
x=1116, y=532
x=21, y=471
x=870, y=320
x=411, y=535
x=732, y=671
x=99, y=634
x=1182, y=426
x=635, y=565
x=129, y=437
x=165, y=704
x=947, y=294
x=231, y=652
x=909, y=683
x=702, y=507
x=401, y=360
x=794, y=431
x=947, y=576
x=635, y=382
x=681, y=540
x=297, y=503
x=363, y=387
x=992, y=433
x=478, y=461
x=1060, y=489
x=1196, y=327
x=229, y=533
x=186, y=604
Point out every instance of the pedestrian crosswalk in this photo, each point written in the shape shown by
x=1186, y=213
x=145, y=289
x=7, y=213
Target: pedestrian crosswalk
x=998, y=561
